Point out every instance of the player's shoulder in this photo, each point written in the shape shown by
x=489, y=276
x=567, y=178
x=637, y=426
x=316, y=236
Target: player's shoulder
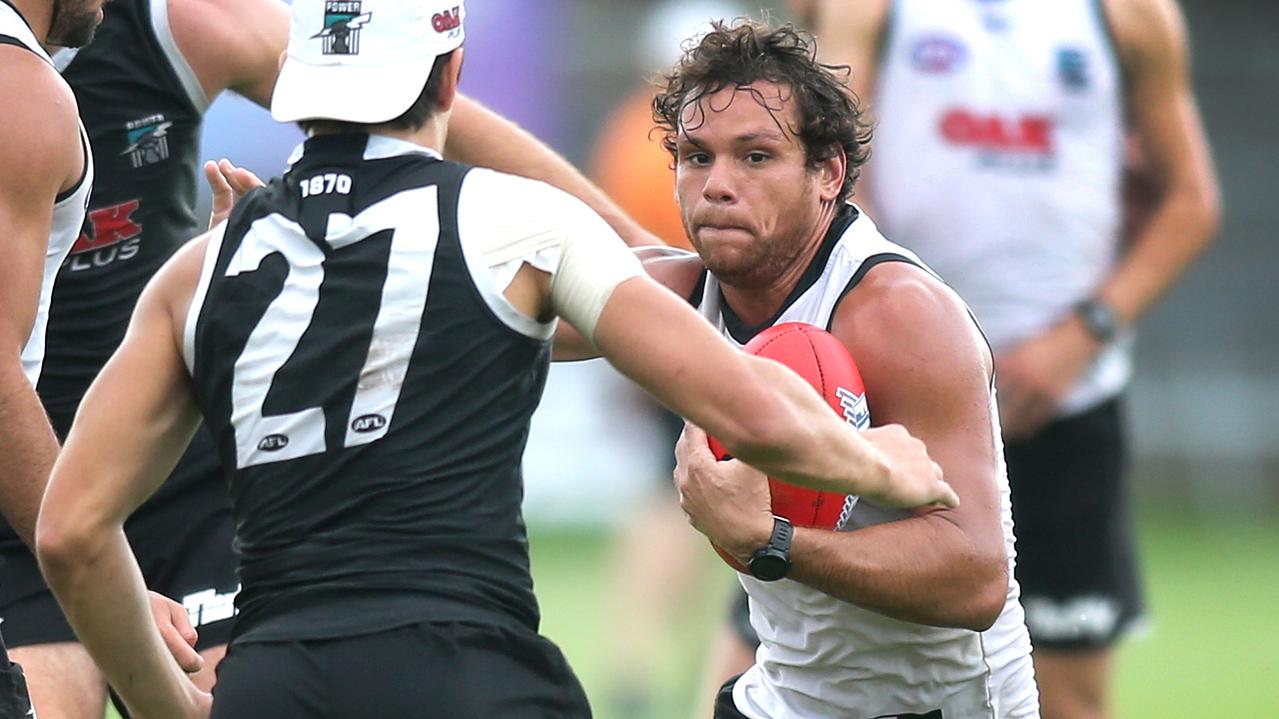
x=905, y=313
x=229, y=43
x=174, y=285
x=39, y=119
x=900, y=289
x=679, y=270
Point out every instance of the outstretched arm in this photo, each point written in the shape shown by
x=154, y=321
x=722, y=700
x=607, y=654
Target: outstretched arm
x=478, y=136
x=132, y=427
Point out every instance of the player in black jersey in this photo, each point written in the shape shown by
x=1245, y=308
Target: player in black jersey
x=367, y=338
x=142, y=89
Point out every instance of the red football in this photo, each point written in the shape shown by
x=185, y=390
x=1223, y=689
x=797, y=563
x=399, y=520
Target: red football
x=817, y=356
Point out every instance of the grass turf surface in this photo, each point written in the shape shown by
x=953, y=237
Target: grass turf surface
x=1213, y=589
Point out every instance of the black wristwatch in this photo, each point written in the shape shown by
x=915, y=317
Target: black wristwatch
x=773, y=561
x=1099, y=319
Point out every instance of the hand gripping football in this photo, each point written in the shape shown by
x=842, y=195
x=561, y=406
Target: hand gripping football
x=822, y=360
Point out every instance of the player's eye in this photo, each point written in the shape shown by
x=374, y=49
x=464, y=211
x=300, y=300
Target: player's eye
x=756, y=158
x=697, y=159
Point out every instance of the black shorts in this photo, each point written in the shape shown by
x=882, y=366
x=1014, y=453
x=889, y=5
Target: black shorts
x=1076, y=554
x=15, y=703
x=184, y=546
x=724, y=706
x=445, y=670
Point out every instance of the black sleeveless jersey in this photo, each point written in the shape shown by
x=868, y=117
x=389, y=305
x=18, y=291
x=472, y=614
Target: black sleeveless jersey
x=369, y=406
x=143, y=121
x=142, y=108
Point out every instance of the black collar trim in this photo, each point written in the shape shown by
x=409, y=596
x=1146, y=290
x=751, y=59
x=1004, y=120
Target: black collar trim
x=742, y=332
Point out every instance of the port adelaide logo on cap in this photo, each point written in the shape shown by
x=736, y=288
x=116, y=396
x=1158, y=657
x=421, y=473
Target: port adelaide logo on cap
x=342, y=23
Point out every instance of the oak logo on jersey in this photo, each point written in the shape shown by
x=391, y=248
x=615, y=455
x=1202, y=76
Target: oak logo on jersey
x=1018, y=142
x=1072, y=68
x=342, y=24
x=148, y=140
x=109, y=234
x=937, y=54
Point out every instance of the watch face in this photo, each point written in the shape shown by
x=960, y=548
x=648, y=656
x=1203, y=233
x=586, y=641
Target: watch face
x=769, y=567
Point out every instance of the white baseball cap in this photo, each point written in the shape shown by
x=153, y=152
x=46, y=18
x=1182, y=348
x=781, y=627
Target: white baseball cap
x=362, y=61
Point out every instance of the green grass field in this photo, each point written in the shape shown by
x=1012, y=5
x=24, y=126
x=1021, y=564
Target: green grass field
x=1213, y=590
x=1213, y=652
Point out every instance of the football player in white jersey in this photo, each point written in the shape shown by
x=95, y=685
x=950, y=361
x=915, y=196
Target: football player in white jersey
x=904, y=614
x=999, y=159
x=43, y=190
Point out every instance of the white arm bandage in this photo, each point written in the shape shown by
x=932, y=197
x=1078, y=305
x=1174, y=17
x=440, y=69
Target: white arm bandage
x=517, y=221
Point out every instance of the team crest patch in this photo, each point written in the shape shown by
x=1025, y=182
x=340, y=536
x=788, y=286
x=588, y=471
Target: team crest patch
x=1072, y=68
x=148, y=140
x=342, y=24
x=937, y=54
x=856, y=411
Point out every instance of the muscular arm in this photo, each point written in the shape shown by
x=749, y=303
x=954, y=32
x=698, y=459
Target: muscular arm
x=232, y=44
x=478, y=136
x=925, y=366
x=1152, y=43
x=760, y=410
x=40, y=156
x=132, y=427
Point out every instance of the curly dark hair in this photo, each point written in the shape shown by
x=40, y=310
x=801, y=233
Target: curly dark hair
x=830, y=118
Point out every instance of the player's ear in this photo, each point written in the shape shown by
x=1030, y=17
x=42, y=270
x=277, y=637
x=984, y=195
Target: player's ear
x=449, y=81
x=831, y=173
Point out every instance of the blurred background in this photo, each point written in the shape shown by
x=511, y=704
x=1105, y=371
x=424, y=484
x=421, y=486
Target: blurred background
x=1204, y=405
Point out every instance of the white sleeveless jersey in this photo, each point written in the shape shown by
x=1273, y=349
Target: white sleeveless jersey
x=997, y=157
x=68, y=211
x=823, y=657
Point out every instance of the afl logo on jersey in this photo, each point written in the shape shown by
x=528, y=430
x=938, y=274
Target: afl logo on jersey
x=273, y=442
x=368, y=423
x=937, y=54
x=342, y=23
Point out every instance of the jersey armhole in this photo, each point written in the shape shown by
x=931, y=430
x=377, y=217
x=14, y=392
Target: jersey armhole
x=86, y=167
x=1106, y=29
x=869, y=263
x=159, y=16
x=493, y=297
x=211, y=254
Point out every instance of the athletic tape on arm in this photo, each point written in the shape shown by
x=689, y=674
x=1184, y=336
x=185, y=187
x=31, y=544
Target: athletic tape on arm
x=560, y=235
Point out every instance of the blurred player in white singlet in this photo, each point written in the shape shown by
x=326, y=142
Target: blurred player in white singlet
x=998, y=158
